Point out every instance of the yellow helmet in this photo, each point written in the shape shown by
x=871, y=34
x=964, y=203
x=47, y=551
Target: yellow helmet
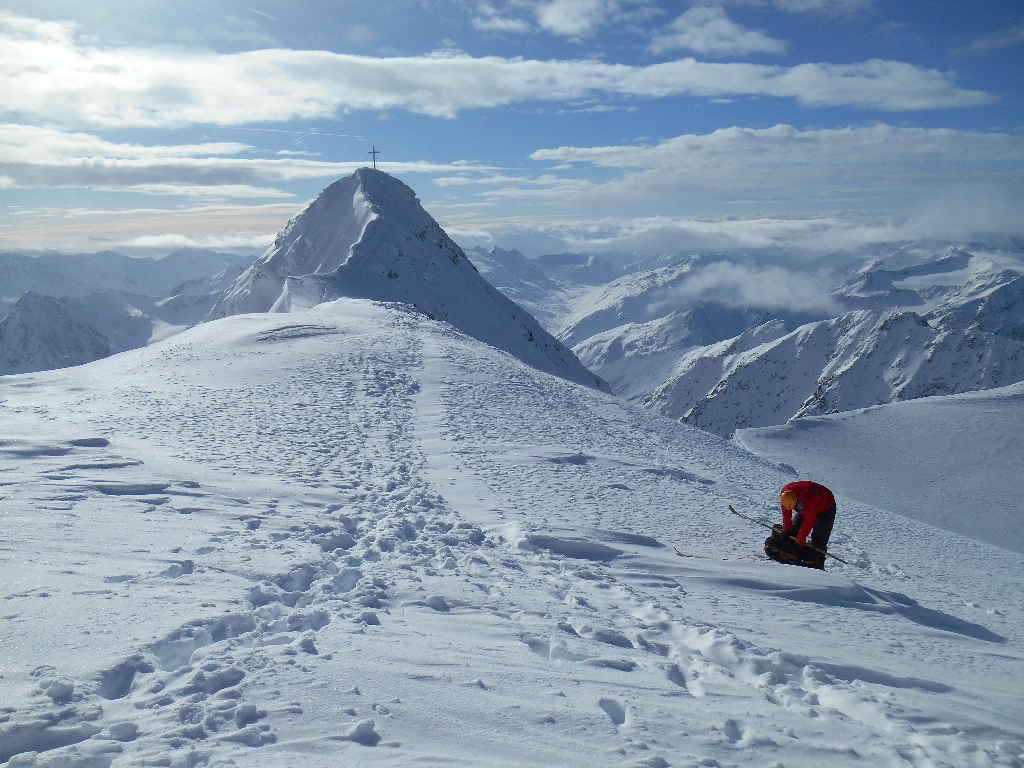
x=788, y=500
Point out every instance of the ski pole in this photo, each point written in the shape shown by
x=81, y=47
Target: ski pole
x=765, y=525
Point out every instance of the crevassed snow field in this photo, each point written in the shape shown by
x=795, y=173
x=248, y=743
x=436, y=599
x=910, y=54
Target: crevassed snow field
x=353, y=535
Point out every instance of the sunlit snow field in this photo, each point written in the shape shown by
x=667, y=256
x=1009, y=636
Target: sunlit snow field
x=355, y=536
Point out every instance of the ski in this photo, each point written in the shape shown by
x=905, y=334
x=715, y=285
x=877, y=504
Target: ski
x=765, y=525
x=687, y=554
x=747, y=517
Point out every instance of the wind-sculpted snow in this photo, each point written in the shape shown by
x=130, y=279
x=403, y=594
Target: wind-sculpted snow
x=353, y=535
x=367, y=236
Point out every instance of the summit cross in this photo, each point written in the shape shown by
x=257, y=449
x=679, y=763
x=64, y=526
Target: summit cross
x=374, y=152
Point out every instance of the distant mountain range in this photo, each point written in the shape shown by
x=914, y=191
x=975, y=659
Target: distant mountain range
x=68, y=310
x=919, y=320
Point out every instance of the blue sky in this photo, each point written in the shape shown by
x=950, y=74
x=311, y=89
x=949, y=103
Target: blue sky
x=547, y=124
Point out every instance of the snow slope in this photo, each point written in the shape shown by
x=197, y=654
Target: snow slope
x=367, y=236
x=955, y=462
x=857, y=360
x=352, y=535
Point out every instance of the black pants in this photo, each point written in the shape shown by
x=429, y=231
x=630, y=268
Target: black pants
x=822, y=528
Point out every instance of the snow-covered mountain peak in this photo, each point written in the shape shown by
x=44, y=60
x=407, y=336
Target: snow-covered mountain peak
x=40, y=334
x=367, y=237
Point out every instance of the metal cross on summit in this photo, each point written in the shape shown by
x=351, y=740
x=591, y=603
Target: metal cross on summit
x=374, y=152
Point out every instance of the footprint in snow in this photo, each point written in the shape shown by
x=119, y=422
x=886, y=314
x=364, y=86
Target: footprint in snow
x=615, y=711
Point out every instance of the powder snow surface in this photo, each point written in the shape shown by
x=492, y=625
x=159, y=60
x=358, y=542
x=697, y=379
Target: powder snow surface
x=353, y=535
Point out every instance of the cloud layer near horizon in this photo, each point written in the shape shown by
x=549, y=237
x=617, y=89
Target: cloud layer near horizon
x=839, y=167
x=46, y=74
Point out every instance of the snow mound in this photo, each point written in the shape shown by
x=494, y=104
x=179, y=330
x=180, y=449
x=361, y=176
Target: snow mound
x=40, y=334
x=367, y=236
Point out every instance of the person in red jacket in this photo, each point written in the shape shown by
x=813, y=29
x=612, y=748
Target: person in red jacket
x=808, y=509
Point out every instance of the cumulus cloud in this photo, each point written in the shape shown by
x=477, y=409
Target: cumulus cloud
x=47, y=75
x=491, y=20
x=573, y=17
x=37, y=157
x=708, y=30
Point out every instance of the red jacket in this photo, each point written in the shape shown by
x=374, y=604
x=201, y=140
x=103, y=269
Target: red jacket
x=814, y=499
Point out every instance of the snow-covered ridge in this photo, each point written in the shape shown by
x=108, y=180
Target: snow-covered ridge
x=923, y=320
x=40, y=334
x=367, y=236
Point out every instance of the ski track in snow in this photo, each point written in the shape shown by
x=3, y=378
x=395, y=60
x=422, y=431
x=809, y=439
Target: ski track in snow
x=354, y=534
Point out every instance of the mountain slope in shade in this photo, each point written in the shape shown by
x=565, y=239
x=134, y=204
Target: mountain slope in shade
x=123, y=325
x=859, y=359
x=954, y=462
x=40, y=334
x=367, y=236
x=635, y=358
x=521, y=279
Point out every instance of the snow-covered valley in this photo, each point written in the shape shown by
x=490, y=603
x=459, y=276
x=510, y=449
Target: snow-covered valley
x=355, y=534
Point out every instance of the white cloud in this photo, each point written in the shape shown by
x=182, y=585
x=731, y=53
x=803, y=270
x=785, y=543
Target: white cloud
x=831, y=7
x=569, y=18
x=208, y=190
x=490, y=20
x=171, y=241
x=752, y=285
x=35, y=157
x=245, y=228
x=708, y=30
x=453, y=181
x=45, y=75
x=573, y=17
x=1003, y=38
x=844, y=167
